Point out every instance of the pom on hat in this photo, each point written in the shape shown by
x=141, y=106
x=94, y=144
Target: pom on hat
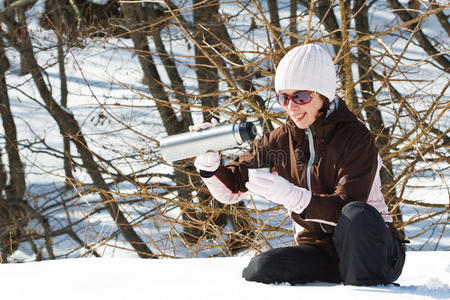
x=307, y=67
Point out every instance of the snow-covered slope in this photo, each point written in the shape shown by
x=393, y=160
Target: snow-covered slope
x=426, y=276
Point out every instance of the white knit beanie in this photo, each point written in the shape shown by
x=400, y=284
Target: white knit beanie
x=307, y=67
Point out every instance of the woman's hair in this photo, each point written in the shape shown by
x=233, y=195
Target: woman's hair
x=325, y=106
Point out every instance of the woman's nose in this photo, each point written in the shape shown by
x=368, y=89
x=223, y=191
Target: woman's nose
x=291, y=105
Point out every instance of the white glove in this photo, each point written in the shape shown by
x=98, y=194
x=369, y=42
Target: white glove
x=209, y=161
x=205, y=125
x=277, y=189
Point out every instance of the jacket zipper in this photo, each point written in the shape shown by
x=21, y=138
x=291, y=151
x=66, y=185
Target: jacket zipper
x=312, y=156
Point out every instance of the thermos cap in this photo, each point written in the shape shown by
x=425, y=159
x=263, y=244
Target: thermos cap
x=247, y=130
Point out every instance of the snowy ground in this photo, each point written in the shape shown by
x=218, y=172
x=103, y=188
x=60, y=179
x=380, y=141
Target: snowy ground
x=426, y=276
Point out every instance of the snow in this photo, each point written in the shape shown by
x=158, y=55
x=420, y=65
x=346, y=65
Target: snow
x=426, y=276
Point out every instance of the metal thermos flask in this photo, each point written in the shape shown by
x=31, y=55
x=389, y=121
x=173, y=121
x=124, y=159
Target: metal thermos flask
x=191, y=144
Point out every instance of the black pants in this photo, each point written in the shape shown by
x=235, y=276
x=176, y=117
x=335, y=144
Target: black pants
x=367, y=254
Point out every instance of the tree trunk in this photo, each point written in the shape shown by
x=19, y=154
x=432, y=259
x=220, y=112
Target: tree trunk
x=219, y=35
x=64, y=92
x=293, y=22
x=69, y=127
x=421, y=38
x=443, y=19
x=328, y=18
x=177, y=85
x=208, y=84
x=179, y=91
x=374, y=116
x=12, y=215
x=207, y=76
x=349, y=91
x=325, y=12
x=275, y=21
x=152, y=79
x=151, y=76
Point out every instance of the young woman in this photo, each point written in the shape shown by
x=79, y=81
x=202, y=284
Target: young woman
x=325, y=171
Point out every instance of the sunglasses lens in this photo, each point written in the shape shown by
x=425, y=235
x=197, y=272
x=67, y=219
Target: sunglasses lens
x=282, y=99
x=302, y=97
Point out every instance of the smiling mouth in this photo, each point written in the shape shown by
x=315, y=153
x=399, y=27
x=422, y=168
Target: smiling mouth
x=299, y=117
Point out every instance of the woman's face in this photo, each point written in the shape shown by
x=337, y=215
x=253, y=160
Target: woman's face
x=303, y=115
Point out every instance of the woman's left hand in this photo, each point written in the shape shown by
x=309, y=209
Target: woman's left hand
x=277, y=189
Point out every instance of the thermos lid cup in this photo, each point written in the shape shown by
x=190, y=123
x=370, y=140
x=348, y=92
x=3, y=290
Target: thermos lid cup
x=251, y=171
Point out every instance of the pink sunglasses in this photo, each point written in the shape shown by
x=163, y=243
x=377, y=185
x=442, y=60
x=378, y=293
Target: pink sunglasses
x=300, y=97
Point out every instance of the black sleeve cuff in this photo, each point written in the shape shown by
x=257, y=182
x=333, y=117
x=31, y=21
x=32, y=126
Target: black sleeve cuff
x=207, y=174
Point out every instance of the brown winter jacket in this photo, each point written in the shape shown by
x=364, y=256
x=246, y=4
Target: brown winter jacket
x=343, y=170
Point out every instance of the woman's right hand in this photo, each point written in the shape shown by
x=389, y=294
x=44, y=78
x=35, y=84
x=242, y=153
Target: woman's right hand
x=209, y=161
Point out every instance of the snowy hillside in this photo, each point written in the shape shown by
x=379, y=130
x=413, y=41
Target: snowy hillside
x=426, y=276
